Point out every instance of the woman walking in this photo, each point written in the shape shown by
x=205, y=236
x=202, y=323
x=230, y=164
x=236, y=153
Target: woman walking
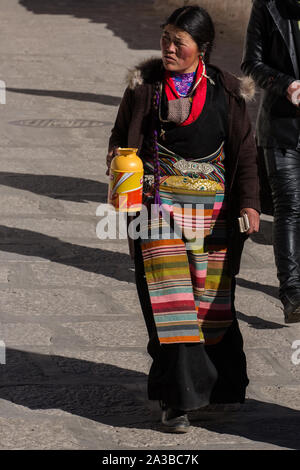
x=188, y=120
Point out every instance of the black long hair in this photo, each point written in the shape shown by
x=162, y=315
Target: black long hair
x=197, y=22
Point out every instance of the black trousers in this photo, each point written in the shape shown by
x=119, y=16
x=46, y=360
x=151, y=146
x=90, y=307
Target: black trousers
x=283, y=168
x=190, y=376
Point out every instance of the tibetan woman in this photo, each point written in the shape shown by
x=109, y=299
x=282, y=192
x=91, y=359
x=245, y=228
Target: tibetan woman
x=189, y=122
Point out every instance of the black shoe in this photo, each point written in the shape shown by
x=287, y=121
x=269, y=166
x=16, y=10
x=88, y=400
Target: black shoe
x=175, y=421
x=292, y=310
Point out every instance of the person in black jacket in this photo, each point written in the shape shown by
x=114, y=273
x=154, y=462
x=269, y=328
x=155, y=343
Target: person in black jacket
x=272, y=58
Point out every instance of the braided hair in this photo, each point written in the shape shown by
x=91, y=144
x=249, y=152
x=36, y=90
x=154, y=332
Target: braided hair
x=156, y=125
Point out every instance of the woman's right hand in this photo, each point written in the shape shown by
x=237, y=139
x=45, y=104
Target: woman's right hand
x=111, y=154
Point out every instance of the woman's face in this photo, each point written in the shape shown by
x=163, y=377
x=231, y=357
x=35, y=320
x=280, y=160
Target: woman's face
x=180, y=52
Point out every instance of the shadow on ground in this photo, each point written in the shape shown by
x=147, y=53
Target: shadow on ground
x=259, y=421
x=134, y=22
x=265, y=288
x=95, y=260
x=59, y=187
x=107, y=100
x=259, y=323
x=117, y=397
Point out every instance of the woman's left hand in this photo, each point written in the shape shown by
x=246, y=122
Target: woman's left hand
x=253, y=217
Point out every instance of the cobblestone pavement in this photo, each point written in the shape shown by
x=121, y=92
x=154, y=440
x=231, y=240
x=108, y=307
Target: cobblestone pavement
x=76, y=361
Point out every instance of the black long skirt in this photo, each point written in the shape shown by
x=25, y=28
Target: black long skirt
x=190, y=376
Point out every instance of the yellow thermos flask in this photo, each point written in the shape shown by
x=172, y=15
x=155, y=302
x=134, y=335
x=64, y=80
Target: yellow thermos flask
x=125, y=190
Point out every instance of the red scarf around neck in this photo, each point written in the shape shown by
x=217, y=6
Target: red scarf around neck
x=199, y=95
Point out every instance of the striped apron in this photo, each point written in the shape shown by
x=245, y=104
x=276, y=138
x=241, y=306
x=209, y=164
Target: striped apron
x=184, y=248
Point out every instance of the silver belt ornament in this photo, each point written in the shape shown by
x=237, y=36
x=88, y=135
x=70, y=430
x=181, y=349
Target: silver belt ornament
x=193, y=167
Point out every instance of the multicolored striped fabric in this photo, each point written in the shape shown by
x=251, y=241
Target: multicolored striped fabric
x=186, y=271
x=171, y=291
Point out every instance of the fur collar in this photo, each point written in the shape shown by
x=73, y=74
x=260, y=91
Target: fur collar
x=151, y=71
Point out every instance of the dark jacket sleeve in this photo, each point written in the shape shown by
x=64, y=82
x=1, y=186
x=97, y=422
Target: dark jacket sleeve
x=243, y=170
x=242, y=166
x=247, y=167
x=119, y=133
x=255, y=56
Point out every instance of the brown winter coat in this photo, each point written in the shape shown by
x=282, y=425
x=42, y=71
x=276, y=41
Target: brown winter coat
x=134, y=119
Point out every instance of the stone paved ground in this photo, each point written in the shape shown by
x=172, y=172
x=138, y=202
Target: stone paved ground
x=76, y=369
